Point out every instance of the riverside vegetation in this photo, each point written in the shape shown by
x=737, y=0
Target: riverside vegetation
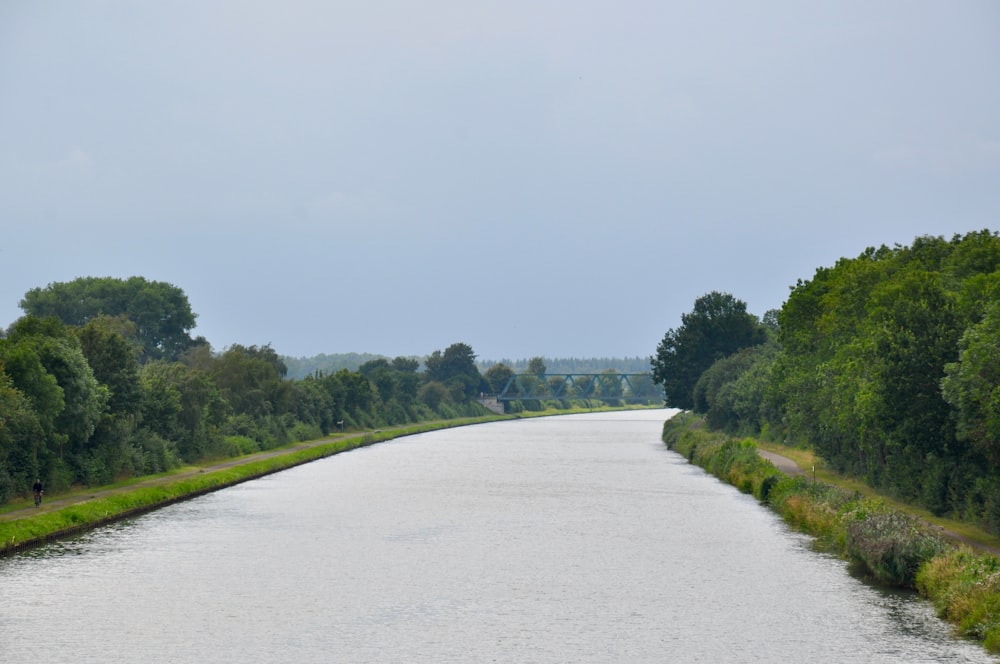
x=133, y=498
x=101, y=381
x=893, y=547
x=22, y=527
x=885, y=366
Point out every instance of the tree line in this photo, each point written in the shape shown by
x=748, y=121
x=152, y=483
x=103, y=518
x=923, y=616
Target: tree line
x=300, y=367
x=887, y=364
x=101, y=379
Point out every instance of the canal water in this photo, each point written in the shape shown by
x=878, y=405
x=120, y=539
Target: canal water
x=566, y=539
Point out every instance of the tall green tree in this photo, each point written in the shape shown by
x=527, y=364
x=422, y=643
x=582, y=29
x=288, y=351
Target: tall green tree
x=455, y=368
x=22, y=441
x=717, y=327
x=250, y=380
x=407, y=379
x=498, y=376
x=731, y=392
x=865, y=345
x=38, y=352
x=161, y=312
x=184, y=405
x=104, y=342
x=972, y=385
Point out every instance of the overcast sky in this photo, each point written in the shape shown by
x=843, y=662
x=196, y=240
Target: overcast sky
x=530, y=178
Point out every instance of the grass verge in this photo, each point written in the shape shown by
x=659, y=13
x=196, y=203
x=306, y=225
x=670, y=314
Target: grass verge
x=896, y=547
x=95, y=507
x=131, y=499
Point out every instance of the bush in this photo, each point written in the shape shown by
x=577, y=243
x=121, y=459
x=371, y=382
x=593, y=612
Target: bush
x=891, y=544
x=157, y=453
x=302, y=431
x=965, y=590
x=239, y=445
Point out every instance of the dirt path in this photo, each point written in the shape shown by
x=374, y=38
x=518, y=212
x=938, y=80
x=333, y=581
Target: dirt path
x=784, y=464
x=789, y=467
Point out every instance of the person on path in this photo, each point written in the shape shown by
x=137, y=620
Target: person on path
x=38, y=489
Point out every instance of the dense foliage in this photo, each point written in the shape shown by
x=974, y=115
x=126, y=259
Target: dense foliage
x=160, y=312
x=887, y=364
x=883, y=355
x=717, y=327
x=100, y=380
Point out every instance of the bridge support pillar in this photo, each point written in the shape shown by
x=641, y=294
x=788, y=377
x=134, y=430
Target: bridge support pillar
x=492, y=404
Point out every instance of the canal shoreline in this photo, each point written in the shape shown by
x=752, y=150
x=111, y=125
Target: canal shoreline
x=896, y=546
x=70, y=515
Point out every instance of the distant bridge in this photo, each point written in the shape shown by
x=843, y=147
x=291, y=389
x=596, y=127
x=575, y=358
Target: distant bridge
x=633, y=387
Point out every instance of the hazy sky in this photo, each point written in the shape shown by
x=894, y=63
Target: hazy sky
x=529, y=178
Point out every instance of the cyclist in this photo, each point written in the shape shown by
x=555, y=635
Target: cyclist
x=38, y=489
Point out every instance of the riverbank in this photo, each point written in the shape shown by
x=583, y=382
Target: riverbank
x=895, y=546
x=23, y=525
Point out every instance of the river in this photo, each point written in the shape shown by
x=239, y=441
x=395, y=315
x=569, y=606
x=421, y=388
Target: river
x=577, y=538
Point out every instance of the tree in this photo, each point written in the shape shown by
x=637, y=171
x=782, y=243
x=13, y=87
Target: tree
x=456, y=369
x=432, y=394
x=642, y=387
x=113, y=360
x=160, y=311
x=250, y=379
x=498, y=376
x=353, y=396
x=407, y=379
x=730, y=392
x=610, y=387
x=22, y=441
x=972, y=385
x=45, y=362
x=717, y=327
x=183, y=405
x=380, y=373
x=28, y=375
x=536, y=365
x=160, y=407
x=59, y=352
x=864, y=347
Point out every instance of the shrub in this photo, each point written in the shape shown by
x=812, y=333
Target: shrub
x=239, y=445
x=891, y=544
x=965, y=590
x=302, y=431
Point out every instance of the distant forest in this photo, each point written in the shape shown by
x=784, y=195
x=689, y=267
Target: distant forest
x=300, y=367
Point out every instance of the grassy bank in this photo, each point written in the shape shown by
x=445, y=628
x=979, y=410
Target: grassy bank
x=895, y=547
x=112, y=504
x=21, y=528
